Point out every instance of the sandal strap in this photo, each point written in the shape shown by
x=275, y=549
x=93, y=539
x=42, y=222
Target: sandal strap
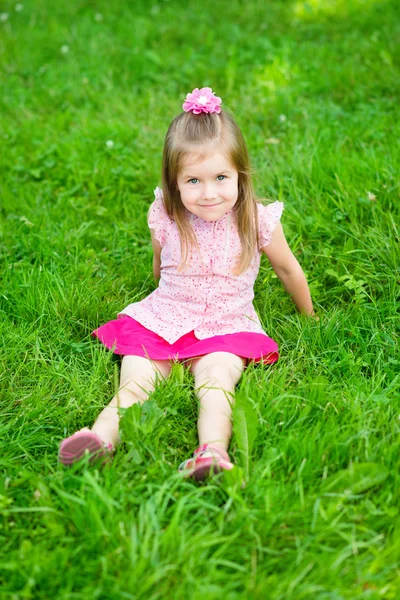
x=211, y=448
x=200, y=451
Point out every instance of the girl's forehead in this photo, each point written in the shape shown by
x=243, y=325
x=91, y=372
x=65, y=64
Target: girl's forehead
x=206, y=159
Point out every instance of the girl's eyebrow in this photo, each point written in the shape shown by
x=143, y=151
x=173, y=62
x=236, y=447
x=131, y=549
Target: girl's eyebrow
x=188, y=176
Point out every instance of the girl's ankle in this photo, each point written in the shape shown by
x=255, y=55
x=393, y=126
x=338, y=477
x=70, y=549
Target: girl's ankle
x=211, y=449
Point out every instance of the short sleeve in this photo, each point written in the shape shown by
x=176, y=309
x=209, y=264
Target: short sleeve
x=268, y=217
x=157, y=218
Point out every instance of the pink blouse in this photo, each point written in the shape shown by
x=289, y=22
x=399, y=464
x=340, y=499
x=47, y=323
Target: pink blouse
x=206, y=297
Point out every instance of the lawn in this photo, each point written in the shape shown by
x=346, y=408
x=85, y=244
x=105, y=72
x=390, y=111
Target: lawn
x=88, y=91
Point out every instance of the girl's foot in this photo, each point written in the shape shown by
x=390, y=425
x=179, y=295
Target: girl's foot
x=81, y=443
x=206, y=459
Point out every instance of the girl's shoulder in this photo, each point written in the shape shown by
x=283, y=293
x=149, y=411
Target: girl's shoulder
x=269, y=216
x=268, y=208
x=157, y=217
x=157, y=206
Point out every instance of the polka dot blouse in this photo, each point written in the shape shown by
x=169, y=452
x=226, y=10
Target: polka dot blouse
x=205, y=297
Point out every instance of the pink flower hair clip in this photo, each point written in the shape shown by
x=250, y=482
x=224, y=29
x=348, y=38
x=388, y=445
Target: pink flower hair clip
x=202, y=101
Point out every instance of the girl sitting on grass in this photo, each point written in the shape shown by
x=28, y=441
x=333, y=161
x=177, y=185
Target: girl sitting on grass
x=208, y=232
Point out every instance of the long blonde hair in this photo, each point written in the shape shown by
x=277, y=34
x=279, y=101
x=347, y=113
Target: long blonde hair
x=190, y=133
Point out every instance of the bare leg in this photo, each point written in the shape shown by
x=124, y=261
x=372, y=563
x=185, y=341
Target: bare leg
x=137, y=381
x=216, y=376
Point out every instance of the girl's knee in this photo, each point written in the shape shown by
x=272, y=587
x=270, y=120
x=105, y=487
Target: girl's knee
x=137, y=368
x=139, y=386
x=224, y=374
x=132, y=392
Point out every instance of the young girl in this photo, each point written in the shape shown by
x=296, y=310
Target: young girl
x=207, y=232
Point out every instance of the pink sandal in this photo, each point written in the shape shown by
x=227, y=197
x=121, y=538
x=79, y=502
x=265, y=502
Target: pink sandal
x=81, y=443
x=200, y=466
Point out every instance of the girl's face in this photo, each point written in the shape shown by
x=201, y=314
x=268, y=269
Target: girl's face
x=209, y=186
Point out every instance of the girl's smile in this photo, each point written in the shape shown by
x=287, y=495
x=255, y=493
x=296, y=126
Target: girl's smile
x=208, y=187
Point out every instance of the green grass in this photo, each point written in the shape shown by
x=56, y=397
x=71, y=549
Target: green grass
x=315, y=88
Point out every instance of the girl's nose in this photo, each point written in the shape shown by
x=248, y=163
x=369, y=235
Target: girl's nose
x=209, y=192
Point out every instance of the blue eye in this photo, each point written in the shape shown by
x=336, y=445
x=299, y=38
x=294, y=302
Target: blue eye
x=222, y=176
x=194, y=179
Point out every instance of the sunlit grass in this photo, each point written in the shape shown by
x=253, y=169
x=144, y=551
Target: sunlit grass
x=309, y=9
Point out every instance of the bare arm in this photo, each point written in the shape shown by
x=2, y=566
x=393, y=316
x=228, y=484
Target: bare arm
x=156, y=255
x=285, y=265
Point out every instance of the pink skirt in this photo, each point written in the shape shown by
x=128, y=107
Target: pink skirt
x=126, y=336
